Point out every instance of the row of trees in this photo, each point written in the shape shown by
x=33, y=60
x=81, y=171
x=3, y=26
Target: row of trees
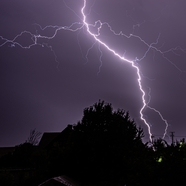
x=104, y=148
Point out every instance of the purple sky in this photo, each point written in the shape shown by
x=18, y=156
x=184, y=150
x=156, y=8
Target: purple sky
x=47, y=88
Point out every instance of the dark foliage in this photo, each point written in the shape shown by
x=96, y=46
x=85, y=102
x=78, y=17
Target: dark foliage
x=105, y=148
x=103, y=145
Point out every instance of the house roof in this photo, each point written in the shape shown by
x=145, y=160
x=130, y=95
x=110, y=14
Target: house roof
x=47, y=138
x=60, y=181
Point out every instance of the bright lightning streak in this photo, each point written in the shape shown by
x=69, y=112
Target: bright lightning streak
x=76, y=26
x=124, y=59
x=159, y=113
x=133, y=62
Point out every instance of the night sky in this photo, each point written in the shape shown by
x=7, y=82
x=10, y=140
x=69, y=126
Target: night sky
x=48, y=85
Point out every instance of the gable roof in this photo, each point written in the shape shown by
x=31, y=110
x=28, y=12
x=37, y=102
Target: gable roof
x=60, y=181
x=50, y=137
x=47, y=138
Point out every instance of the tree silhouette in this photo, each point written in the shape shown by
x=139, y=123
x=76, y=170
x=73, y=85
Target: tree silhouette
x=104, y=148
x=105, y=144
x=34, y=137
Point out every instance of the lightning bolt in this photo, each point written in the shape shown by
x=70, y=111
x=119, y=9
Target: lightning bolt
x=133, y=63
x=77, y=26
x=95, y=36
x=159, y=113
